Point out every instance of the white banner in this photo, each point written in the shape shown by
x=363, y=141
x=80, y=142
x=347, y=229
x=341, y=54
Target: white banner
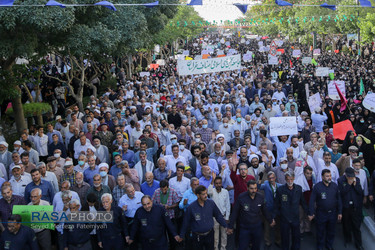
x=248, y=56
x=296, y=53
x=273, y=60
x=144, y=73
x=283, y=126
x=204, y=52
x=209, y=65
x=185, y=52
x=316, y=52
x=322, y=71
x=161, y=62
x=332, y=91
x=369, y=102
x=306, y=60
x=314, y=102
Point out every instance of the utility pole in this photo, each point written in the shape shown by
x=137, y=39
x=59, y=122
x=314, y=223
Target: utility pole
x=359, y=32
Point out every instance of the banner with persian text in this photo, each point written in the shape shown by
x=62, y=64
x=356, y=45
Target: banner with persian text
x=209, y=65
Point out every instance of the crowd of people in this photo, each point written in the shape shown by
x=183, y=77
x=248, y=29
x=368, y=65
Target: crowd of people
x=184, y=161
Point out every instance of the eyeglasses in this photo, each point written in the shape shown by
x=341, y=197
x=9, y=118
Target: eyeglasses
x=243, y=169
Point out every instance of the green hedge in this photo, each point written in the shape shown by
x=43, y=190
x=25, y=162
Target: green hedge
x=33, y=109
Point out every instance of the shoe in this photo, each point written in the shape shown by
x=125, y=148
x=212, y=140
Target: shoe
x=278, y=245
x=360, y=248
x=329, y=248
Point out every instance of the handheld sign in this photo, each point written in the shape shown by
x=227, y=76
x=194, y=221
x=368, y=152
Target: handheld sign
x=332, y=91
x=283, y=126
x=369, y=102
x=322, y=71
x=314, y=102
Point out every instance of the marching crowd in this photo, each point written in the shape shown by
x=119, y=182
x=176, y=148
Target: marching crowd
x=184, y=161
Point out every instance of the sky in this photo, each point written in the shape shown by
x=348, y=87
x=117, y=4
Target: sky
x=220, y=10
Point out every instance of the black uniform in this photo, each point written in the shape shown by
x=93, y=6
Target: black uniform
x=24, y=239
x=286, y=205
x=328, y=206
x=248, y=213
x=352, y=198
x=77, y=236
x=112, y=234
x=152, y=227
x=200, y=220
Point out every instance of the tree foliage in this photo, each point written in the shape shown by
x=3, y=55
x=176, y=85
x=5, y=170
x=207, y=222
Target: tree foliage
x=272, y=19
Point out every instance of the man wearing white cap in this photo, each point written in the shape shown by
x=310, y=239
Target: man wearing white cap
x=5, y=155
x=257, y=169
x=17, y=147
x=107, y=179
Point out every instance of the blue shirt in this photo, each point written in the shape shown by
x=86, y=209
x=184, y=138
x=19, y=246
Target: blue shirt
x=129, y=157
x=245, y=110
x=203, y=181
x=318, y=121
x=88, y=175
x=45, y=186
x=132, y=204
x=269, y=194
x=190, y=196
x=50, y=134
x=147, y=190
x=200, y=218
x=211, y=163
x=115, y=171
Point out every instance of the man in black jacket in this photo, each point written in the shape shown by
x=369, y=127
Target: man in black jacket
x=288, y=199
x=352, y=197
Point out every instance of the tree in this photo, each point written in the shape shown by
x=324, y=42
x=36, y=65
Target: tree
x=25, y=31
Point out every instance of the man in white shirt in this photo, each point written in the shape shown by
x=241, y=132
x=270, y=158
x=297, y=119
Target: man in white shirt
x=41, y=144
x=43, y=236
x=143, y=166
x=279, y=94
x=48, y=176
x=361, y=174
x=183, y=151
x=19, y=181
x=81, y=146
x=180, y=183
x=174, y=158
x=221, y=198
x=135, y=134
x=226, y=129
x=58, y=202
x=326, y=164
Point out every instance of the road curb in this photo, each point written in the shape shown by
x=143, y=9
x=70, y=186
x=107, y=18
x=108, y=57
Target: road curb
x=370, y=224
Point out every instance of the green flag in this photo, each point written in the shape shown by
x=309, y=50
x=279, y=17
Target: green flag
x=314, y=62
x=362, y=88
x=332, y=76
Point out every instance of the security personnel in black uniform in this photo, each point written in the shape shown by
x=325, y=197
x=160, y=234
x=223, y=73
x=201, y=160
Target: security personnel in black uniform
x=248, y=212
x=352, y=199
x=288, y=199
x=199, y=218
x=151, y=221
x=17, y=236
x=77, y=235
x=111, y=235
x=326, y=197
